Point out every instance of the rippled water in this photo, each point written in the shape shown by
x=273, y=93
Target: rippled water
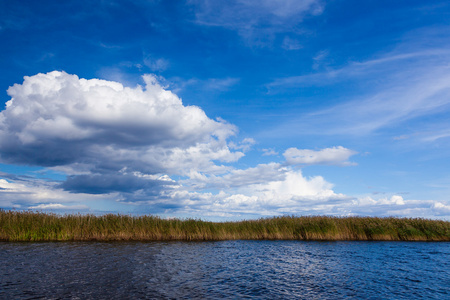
x=229, y=269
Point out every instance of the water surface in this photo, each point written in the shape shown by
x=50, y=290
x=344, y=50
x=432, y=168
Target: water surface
x=227, y=269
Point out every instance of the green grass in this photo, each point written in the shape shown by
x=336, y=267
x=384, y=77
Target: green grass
x=36, y=226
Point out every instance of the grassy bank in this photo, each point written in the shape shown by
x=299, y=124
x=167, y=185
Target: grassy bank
x=34, y=226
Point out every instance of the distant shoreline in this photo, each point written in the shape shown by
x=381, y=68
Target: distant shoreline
x=36, y=227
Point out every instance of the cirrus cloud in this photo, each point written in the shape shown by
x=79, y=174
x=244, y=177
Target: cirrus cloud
x=257, y=21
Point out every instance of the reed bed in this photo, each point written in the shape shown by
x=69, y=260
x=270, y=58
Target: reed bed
x=37, y=226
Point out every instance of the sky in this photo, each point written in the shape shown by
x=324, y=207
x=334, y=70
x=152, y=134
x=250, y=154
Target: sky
x=226, y=110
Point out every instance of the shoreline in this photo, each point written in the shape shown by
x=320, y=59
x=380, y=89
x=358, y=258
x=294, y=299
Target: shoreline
x=39, y=227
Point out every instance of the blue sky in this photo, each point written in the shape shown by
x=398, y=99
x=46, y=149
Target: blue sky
x=226, y=110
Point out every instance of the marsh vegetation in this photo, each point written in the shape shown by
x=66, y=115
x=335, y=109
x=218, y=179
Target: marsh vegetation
x=38, y=226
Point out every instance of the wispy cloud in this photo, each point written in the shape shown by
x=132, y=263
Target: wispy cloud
x=206, y=84
x=388, y=64
x=59, y=206
x=245, y=145
x=291, y=44
x=156, y=64
x=441, y=134
x=329, y=156
x=269, y=152
x=394, y=89
x=256, y=21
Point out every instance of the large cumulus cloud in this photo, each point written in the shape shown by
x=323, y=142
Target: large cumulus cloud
x=99, y=127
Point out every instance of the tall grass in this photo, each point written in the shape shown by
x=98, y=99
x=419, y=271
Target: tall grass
x=36, y=226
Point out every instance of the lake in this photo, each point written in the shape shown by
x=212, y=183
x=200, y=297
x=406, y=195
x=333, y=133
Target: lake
x=226, y=269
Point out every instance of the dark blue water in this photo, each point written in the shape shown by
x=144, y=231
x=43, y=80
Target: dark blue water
x=229, y=269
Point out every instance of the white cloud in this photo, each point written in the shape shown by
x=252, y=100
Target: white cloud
x=245, y=145
x=256, y=21
x=264, y=190
x=319, y=58
x=28, y=194
x=220, y=84
x=141, y=147
x=57, y=119
x=386, y=63
x=291, y=44
x=238, y=13
x=442, y=208
x=210, y=84
x=439, y=134
x=59, y=206
x=235, y=178
x=156, y=64
x=396, y=88
x=328, y=156
x=293, y=187
x=393, y=200
x=269, y=152
x=397, y=206
x=91, y=129
x=396, y=199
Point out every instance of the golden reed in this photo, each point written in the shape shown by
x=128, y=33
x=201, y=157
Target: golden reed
x=37, y=226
